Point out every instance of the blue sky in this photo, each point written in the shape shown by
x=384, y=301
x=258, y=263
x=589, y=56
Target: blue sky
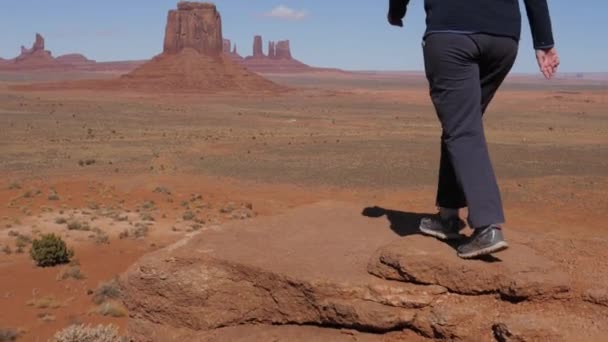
x=332, y=33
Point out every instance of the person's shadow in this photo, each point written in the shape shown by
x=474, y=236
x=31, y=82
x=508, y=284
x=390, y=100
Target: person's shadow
x=406, y=223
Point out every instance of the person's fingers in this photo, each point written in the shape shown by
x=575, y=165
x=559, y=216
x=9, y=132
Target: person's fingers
x=545, y=73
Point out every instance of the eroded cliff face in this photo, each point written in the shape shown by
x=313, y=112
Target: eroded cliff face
x=194, y=25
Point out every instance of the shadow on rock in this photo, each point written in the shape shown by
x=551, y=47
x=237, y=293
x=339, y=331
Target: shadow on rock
x=407, y=223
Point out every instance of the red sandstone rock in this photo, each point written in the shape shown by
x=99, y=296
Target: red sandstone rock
x=271, y=50
x=283, y=50
x=192, y=62
x=257, y=47
x=194, y=25
x=37, y=54
x=227, y=46
x=74, y=59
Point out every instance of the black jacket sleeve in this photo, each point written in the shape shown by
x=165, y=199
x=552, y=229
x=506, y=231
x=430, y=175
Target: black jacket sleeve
x=397, y=8
x=540, y=23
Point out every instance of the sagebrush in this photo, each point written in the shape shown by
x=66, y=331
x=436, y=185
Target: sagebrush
x=50, y=250
x=87, y=333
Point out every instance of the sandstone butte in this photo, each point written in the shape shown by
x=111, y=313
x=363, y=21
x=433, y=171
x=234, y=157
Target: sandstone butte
x=278, y=59
x=192, y=61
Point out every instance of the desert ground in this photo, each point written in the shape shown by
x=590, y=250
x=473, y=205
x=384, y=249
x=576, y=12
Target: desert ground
x=123, y=174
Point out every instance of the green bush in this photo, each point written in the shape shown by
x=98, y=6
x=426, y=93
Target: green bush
x=50, y=250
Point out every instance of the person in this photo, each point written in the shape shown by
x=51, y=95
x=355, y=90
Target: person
x=469, y=47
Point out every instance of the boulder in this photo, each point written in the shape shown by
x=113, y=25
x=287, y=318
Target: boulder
x=517, y=274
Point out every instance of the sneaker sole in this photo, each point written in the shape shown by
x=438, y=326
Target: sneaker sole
x=439, y=235
x=498, y=247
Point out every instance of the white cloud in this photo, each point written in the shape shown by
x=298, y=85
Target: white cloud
x=286, y=13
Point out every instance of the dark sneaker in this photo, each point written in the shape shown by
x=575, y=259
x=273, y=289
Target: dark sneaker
x=483, y=242
x=442, y=229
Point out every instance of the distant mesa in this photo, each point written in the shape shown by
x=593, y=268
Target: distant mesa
x=74, y=59
x=37, y=58
x=193, y=60
x=36, y=50
x=193, y=57
x=279, y=58
x=231, y=51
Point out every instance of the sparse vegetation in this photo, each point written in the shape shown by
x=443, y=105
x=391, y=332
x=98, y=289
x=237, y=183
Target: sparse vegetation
x=7, y=250
x=121, y=218
x=8, y=335
x=46, y=317
x=53, y=196
x=124, y=234
x=14, y=186
x=188, y=216
x=162, y=190
x=148, y=205
x=87, y=333
x=86, y=162
x=112, y=309
x=48, y=302
x=146, y=216
x=22, y=241
x=61, y=220
x=50, y=250
x=77, y=225
x=101, y=237
x=71, y=272
x=106, y=291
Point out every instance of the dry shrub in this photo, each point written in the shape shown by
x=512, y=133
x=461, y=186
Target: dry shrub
x=106, y=291
x=48, y=302
x=8, y=335
x=87, y=333
x=14, y=186
x=71, y=272
x=112, y=309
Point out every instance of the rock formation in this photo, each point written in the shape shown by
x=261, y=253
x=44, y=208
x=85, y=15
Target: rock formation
x=192, y=61
x=36, y=56
x=232, y=52
x=194, y=25
x=283, y=50
x=326, y=265
x=227, y=45
x=36, y=47
x=279, y=58
x=74, y=59
x=38, y=59
x=257, y=47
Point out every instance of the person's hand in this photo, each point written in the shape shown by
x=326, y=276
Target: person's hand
x=548, y=61
x=395, y=20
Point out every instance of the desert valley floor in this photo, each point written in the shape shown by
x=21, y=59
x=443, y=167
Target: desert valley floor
x=120, y=175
